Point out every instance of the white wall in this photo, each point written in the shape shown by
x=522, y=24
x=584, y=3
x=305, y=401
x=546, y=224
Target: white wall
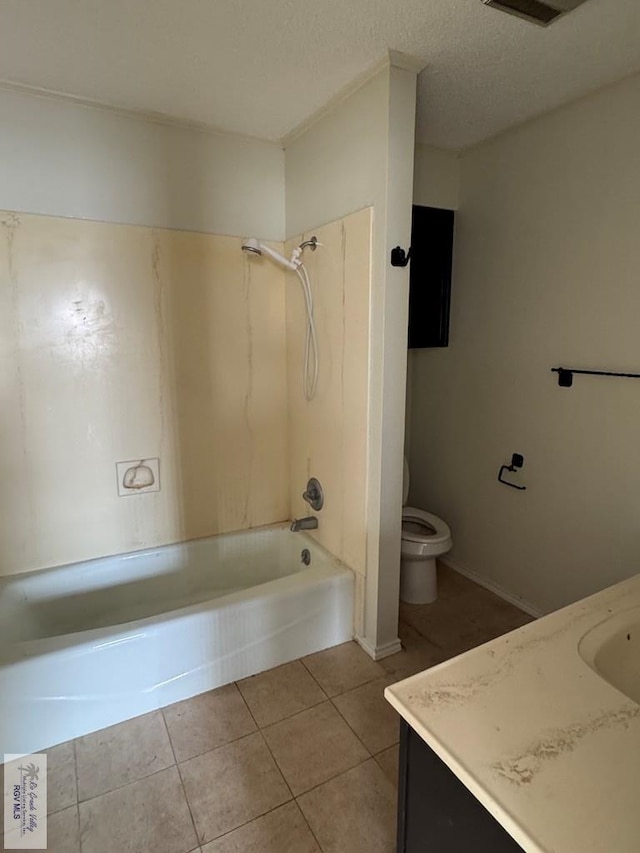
x=436, y=179
x=361, y=154
x=338, y=165
x=63, y=159
x=545, y=273
x=389, y=334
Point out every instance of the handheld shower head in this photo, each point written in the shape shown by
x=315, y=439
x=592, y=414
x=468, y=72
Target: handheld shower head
x=252, y=245
x=255, y=247
x=311, y=360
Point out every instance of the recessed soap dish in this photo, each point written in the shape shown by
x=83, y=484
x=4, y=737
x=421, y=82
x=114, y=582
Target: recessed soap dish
x=138, y=476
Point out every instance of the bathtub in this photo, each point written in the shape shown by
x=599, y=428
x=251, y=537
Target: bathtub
x=91, y=644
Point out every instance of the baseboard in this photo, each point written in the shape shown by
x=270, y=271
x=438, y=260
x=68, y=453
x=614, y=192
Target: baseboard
x=379, y=652
x=493, y=587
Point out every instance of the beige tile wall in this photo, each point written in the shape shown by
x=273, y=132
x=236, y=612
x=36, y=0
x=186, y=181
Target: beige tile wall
x=118, y=343
x=328, y=436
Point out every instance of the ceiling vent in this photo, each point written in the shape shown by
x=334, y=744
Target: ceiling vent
x=543, y=12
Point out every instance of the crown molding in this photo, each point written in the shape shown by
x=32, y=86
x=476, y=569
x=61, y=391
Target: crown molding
x=124, y=112
x=391, y=59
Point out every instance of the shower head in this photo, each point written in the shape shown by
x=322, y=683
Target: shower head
x=255, y=247
x=252, y=245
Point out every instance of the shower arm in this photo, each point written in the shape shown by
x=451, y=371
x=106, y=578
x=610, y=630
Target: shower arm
x=296, y=255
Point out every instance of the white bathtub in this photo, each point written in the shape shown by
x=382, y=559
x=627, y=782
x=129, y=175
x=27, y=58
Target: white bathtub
x=88, y=645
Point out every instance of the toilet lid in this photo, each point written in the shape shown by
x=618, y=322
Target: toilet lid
x=412, y=524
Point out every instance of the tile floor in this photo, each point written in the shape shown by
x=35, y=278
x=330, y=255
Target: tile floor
x=299, y=759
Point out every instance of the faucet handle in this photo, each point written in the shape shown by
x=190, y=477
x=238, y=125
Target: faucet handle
x=314, y=495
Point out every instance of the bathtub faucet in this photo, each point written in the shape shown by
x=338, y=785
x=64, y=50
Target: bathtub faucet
x=308, y=523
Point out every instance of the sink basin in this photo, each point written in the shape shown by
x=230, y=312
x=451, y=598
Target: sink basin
x=612, y=649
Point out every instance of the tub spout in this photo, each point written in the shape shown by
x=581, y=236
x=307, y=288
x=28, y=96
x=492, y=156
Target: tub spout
x=308, y=523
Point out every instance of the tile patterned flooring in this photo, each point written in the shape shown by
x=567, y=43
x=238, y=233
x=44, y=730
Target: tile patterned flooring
x=299, y=759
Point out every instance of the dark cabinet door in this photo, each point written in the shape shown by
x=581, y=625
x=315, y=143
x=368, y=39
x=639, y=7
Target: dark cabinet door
x=430, y=276
x=436, y=813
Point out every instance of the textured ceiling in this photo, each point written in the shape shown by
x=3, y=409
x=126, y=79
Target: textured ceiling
x=261, y=68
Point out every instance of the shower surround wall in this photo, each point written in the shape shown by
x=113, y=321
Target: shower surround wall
x=328, y=435
x=123, y=342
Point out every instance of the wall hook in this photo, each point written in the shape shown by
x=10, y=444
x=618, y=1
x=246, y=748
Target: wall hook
x=400, y=258
x=517, y=461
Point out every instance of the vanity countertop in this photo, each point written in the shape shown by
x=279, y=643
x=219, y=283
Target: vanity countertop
x=548, y=747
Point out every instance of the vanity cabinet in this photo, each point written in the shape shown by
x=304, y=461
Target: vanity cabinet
x=436, y=812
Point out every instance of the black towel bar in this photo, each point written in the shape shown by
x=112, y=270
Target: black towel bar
x=565, y=375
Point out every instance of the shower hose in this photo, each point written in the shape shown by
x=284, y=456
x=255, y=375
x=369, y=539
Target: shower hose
x=310, y=364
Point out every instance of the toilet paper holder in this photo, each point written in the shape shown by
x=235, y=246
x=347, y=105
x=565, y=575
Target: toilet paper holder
x=517, y=461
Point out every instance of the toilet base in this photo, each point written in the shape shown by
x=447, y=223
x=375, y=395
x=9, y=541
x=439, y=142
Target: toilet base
x=418, y=581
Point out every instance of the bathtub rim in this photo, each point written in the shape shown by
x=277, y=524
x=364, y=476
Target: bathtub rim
x=17, y=577
x=121, y=632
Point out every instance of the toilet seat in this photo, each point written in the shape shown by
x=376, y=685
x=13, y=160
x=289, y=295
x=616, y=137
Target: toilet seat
x=423, y=527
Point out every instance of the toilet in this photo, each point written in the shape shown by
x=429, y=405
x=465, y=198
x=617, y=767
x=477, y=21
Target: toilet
x=424, y=537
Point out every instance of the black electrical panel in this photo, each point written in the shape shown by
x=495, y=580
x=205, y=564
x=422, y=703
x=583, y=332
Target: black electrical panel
x=430, y=277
